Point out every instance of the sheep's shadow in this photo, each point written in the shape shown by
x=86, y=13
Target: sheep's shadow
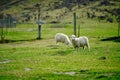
x=53, y=46
x=115, y=39
x=60, y=50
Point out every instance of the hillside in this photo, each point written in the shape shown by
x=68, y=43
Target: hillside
x=58, y=11
x=23, y=56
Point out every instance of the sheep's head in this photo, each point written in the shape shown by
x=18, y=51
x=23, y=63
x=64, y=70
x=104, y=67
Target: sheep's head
x=72, y=37
x=67, y=41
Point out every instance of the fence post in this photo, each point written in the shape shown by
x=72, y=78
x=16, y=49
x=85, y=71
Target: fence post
x=39, y=26
x=118, y=22
x=39, y=32
x=74, y=23
x=78, y=30
x=118, y=28
x=2, y=36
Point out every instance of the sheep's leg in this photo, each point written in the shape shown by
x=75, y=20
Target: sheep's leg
x=57, y=43
x=83, y=48
x=63, y=43
x=75, y=48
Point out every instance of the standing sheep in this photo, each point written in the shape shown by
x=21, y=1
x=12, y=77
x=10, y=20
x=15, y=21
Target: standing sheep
x=75, y=42
x=80, y=42
x=60, y=37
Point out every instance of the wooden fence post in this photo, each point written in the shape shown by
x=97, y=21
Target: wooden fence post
x=39, y=26
x=79, y=30
x=118, y=22
x=39, y=32
x=74, y=23
x=118, y=28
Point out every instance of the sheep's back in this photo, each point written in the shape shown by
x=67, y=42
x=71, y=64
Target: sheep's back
x=60, y=37
x=83, y=40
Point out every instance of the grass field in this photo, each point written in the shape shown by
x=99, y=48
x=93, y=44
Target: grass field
x=26, y=58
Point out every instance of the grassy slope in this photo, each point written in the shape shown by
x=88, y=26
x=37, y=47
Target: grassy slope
x=28, y=58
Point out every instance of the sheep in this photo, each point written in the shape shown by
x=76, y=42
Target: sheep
x=63, y=38
x=75, y=42
x=80, y=42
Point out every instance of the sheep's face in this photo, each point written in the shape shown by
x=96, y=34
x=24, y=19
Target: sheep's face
x=68, y=43
x=73, y=36
x=73, y=39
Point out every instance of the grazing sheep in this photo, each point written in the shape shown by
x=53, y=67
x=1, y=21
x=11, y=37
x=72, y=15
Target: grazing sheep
x=60, y=37
x=80, y=42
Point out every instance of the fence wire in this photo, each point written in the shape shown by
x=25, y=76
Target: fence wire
x=7, y=23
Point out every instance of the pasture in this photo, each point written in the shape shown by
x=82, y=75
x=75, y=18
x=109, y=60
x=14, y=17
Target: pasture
x=26, y=58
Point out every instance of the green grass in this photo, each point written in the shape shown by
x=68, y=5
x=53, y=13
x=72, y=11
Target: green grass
x=26, y=58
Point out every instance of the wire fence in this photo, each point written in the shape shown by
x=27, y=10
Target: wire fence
x=7, y=23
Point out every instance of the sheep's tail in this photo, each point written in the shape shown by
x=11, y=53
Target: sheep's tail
x=87, y=41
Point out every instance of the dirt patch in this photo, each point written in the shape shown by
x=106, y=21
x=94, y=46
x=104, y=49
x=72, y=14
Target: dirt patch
x=53, y=46
x=28, y=69
x=5, y=61
x=72, y=73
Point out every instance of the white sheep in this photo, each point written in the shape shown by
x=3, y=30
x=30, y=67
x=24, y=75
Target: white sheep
x=75, y=42
x=80, y=42
x=63, y=38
